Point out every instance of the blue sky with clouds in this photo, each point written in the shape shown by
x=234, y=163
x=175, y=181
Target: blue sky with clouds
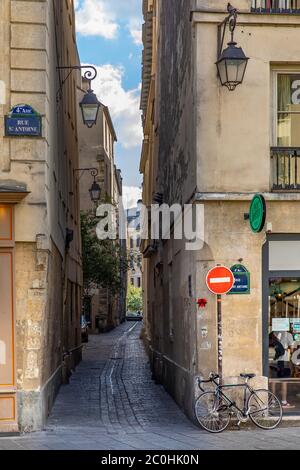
x=109, y=37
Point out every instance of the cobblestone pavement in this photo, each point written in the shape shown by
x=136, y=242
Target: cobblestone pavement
x=112, y=404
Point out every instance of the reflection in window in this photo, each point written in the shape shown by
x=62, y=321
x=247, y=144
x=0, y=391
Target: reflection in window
x=288, y=110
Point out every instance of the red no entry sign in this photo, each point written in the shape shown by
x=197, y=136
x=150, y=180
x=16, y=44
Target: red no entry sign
x=220, y=280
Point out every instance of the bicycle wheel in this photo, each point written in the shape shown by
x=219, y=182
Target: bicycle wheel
x=212, y=412
x=265, y=410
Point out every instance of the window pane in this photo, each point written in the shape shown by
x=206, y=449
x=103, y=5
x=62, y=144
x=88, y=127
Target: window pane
x=5, y=223
x=289, y=92
x=288, y=130
x=284, y=255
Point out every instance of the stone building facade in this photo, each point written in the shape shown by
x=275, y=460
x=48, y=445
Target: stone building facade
x=205, y=145
x=133, y=246
x=102, y=309
x=40, y=249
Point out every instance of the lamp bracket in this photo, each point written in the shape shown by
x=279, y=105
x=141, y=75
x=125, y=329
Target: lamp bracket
x=94, y=171
x=231, y=21
x=90, y=74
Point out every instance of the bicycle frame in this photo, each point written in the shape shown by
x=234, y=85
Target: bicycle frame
x=232, y=404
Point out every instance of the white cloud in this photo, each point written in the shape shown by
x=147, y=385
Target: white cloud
x=135, y=28
x=131, y=194
x=104, y=18
x=94, y=18
x=123, y=104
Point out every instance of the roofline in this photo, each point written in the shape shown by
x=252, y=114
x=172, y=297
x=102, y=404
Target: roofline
x=109, y=120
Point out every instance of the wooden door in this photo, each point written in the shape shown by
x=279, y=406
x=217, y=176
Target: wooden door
x=8, y=415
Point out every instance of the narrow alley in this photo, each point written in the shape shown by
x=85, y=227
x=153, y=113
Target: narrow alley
x=112, y=404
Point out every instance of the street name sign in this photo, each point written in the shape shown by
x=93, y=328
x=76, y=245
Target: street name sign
x=220, y=280
x=241, y=280
x=23, y=121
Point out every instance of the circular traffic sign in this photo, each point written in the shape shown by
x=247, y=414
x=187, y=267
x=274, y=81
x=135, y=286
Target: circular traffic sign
x=220, y=280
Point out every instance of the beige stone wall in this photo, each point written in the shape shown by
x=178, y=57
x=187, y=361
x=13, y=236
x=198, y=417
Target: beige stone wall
x=243, y=117
x=221, y=5
x=45, y=270
x=232, y=135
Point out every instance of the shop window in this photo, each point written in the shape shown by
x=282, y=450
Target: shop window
x=288, y=109
x=284, y=339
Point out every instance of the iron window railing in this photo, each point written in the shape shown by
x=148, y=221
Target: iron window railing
x=276, y=6
x=285, y=164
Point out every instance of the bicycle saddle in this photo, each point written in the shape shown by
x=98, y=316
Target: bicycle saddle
x=247, y=376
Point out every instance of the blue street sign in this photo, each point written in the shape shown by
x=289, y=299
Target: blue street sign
x=22, y=121
x=23, y=109
x=241, y=280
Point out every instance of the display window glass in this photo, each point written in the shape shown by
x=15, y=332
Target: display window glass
x=284, y=339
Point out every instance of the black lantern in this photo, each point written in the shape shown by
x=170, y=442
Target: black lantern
x=232, y=66
x=90, y=106
x=232, y=61
x=95, y=192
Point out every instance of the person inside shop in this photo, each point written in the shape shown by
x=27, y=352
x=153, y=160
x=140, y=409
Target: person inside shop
x=284, y=345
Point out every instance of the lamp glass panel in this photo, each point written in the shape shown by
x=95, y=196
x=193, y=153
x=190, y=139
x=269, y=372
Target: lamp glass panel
x=232, y=69
x=89, y=112
x=241, y=67
x=222, y=71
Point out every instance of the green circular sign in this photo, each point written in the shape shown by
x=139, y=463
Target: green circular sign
x=257, y=213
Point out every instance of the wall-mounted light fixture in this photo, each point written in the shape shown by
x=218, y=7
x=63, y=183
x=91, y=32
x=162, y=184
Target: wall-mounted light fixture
x=90, y=104
x=95, y=190
x=232, y=61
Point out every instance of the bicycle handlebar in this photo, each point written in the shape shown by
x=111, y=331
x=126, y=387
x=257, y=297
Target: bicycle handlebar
x=212, y=378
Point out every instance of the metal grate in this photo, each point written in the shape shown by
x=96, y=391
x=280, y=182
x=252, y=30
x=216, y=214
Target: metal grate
x=276, y=6
x=285, y=168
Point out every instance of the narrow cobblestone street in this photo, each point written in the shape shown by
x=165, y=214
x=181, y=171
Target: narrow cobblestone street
x=112, y=404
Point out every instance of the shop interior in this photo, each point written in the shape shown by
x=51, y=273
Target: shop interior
x=284, y=323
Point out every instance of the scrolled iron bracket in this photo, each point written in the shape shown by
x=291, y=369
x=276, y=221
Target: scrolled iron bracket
x=231, y=21
x=90, y=74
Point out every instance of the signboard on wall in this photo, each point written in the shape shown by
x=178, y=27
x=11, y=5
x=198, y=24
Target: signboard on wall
x=23, y=121
x=280, y=324
x=257, y=214
x=241, y=280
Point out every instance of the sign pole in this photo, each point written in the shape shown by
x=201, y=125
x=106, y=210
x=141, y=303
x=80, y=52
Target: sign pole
x=220, y=349
x=220, y=281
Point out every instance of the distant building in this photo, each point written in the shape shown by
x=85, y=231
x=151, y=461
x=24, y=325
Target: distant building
x=134, y=245
x=96, y=150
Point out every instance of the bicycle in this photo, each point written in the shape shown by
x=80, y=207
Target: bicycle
x=214, y=409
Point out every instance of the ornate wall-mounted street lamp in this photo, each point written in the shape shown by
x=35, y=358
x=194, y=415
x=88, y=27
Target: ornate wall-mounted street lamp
x=95, y=190
x=90, y=104
x=232, y=61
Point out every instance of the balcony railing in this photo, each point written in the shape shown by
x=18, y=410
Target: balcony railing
x=285, y=168
x=276, y=6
